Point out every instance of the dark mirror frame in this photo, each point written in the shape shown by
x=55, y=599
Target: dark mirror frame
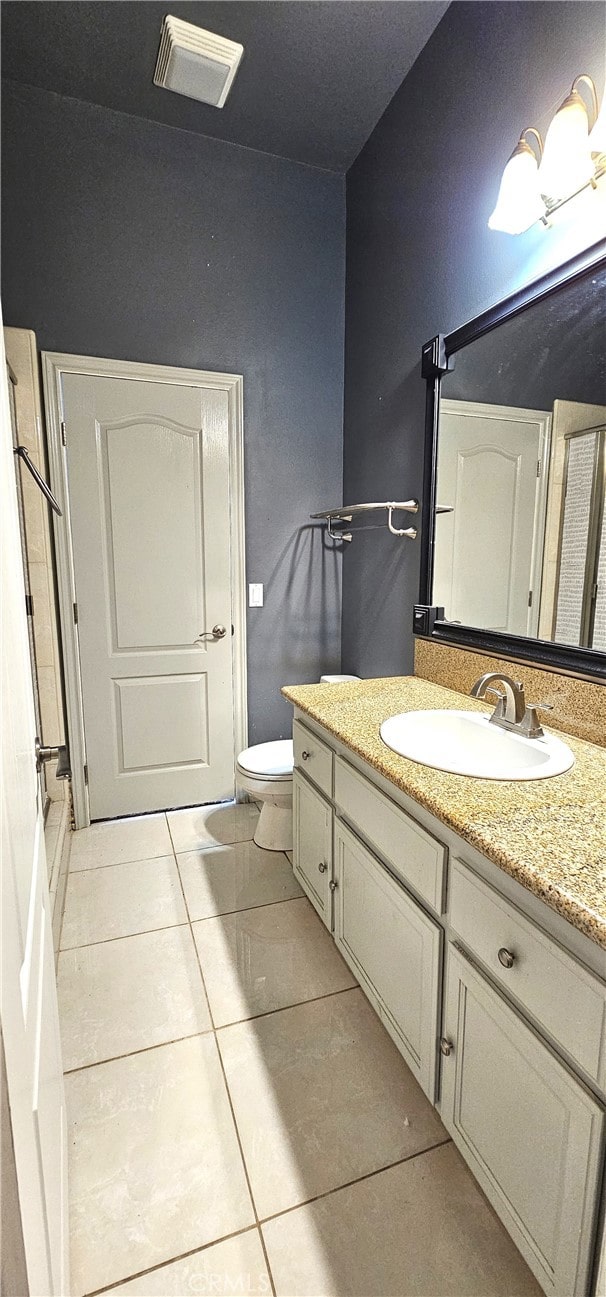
x=436, y=360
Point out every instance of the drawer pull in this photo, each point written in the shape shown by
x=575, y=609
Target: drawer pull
x=506, y=958
x=446, y=1047
x=332, y=885
x=305, y=756
x=322, y=867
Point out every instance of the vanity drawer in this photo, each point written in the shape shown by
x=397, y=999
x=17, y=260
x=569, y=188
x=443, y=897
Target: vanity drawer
x=563, y=997
x=313, y=756
x=411, y=852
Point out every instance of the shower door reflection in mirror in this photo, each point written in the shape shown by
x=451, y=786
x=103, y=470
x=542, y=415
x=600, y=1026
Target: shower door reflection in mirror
x=520, y=539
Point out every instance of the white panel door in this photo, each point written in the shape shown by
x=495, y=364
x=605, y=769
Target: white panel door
x=148, y=474
x=28, y=999
x=488, y=551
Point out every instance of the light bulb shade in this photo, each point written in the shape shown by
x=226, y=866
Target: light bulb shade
x=519, y=203
x=567, y=165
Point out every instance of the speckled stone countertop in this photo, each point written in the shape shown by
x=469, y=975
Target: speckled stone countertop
x=549, y=834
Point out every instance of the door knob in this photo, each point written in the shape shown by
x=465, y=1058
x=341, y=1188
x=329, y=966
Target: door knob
x=59, y=754
x=217, y=632
x=44, y=754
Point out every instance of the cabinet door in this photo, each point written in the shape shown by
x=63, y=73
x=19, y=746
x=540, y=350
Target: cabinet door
x=393, y=948
x=312, y=846
x=530, y=1132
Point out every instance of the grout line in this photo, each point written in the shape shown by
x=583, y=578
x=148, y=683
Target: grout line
x=140, y=1274
x=258, y=905
x=83, y=945
x=298, y=1004
x=113, y=864
x=191, y=932
x=252, y=1198
x=145, y=1049
x=328, y=1193
x=266, y=1255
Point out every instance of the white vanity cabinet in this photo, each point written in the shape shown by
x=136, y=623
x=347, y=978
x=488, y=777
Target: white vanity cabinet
x=531, y=1133
x=497, y=1005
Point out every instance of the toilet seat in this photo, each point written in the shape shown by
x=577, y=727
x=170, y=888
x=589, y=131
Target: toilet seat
x=268, y=762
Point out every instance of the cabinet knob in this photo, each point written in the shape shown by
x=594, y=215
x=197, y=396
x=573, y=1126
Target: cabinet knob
x=305, y=756
x=322, y=867
x=332, y=885
x=505, y=957
x=446, y=1047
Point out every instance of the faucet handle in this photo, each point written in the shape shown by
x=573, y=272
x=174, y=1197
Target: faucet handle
x=500, y=696
x=534, y=729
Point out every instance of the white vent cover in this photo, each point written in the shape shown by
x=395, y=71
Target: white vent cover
x=196, y=63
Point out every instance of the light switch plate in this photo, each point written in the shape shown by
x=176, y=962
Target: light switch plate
x=255, y=596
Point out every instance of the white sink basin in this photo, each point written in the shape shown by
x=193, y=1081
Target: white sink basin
x=465, y=743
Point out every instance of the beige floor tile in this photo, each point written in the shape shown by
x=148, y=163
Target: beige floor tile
x=155, y=1169
x=122, y=899
x=234, y=1268
x=266, y=958
x=321, y=1096
x=115, y=841
x=129, y=994
x=421, y=1229
x=210, y=826
x=221, y=880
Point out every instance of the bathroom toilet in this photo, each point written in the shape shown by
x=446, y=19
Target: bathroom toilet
x=265, y=773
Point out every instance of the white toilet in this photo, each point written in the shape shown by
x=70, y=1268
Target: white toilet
x=265, y=773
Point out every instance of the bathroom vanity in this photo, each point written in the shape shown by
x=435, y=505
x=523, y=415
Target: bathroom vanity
x=470, y=912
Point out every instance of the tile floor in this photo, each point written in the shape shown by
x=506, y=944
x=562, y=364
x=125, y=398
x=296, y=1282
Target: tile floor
x=239, y=1120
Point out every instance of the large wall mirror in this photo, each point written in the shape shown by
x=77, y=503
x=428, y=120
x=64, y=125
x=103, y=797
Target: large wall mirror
x=515, y=474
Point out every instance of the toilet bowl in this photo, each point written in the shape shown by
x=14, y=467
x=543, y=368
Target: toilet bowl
x=265, y=773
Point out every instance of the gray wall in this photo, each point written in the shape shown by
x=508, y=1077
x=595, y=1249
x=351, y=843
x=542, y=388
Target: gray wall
x=129, y=239
x=421, y=260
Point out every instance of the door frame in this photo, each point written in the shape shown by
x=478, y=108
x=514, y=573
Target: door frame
x=54, y=365
x=544, y=419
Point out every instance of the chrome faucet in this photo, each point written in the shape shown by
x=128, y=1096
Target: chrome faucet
x=511, y=712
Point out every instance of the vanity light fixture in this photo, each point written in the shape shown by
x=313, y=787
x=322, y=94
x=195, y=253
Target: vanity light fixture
x=519, y=203
x=567, y=164
x=538, y=180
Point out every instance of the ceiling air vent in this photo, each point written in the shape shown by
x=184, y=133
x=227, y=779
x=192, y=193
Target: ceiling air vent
x=196, y=63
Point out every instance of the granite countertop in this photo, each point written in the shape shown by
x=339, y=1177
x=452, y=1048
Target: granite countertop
x=549, y=834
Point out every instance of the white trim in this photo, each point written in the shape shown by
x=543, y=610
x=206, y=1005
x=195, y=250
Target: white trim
x=54, y=366
x=516, y=414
